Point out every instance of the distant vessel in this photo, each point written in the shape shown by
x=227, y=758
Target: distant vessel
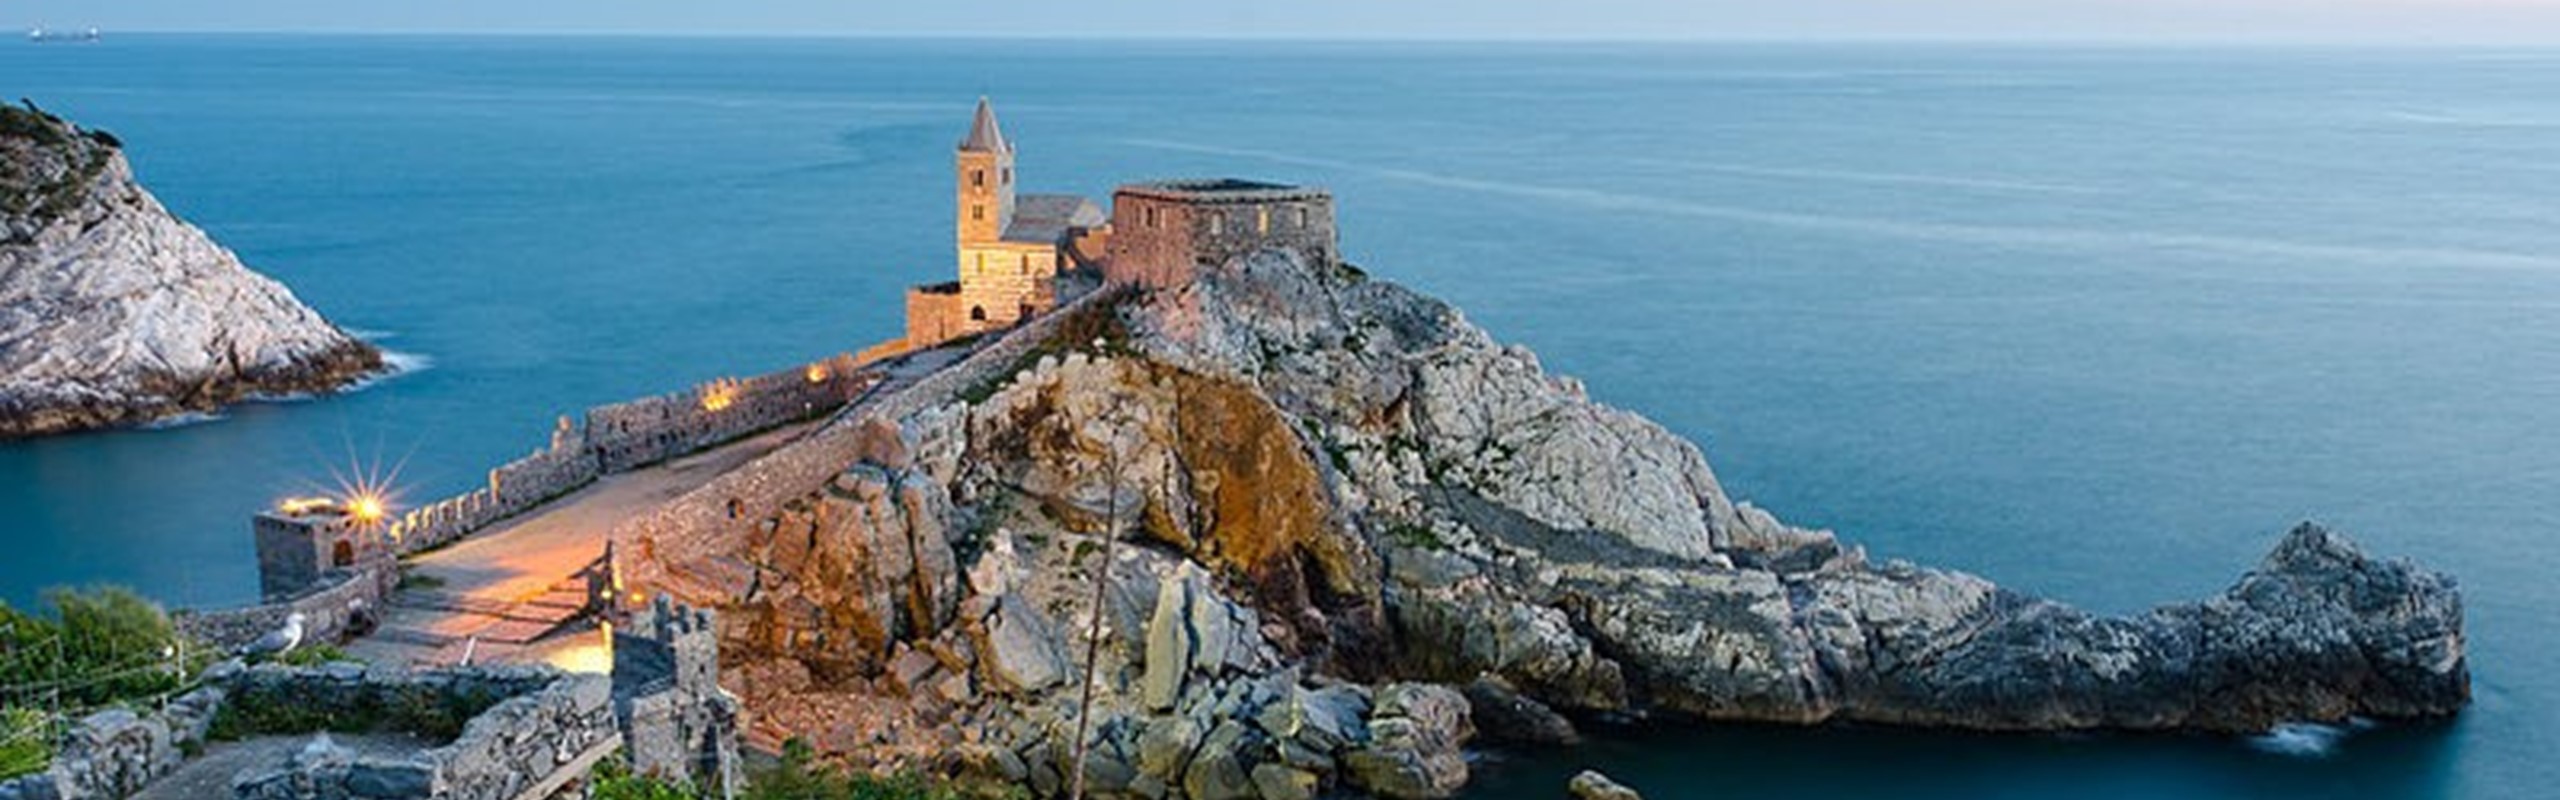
x=39, y=35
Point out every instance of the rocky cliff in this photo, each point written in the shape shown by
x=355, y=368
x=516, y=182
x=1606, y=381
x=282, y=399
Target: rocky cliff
x=1319, y=531
x=114, y=312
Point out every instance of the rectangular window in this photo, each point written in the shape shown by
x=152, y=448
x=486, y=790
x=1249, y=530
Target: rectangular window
x=1008, y=177
x=1151, y=217
x=1217, y=223
x=1262, y=220
x=977, y=213
x=977, y=177
x=1023, y=268
x=982, y=263
x=1302, y=218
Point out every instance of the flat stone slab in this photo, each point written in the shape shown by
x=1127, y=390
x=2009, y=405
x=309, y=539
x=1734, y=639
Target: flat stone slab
x=208, y=777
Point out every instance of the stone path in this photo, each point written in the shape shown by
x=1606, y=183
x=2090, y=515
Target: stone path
x=209, y=775
x=512, y=585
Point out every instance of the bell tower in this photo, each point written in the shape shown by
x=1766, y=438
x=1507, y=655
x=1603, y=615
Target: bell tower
x=985, y=171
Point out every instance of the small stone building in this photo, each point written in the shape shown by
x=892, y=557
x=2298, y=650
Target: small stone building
x=301, y=541
x=1163, y=232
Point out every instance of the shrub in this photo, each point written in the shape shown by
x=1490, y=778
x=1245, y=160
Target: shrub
x=26, y=742
x=98, y=647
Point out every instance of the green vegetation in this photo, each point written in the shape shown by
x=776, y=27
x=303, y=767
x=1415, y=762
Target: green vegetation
x=86, y=154
x=426, y=712
x=97, y=647
x=26, y=742
x=1415, y=536
x=93, y=648
x=316, y=655
x=798, y=777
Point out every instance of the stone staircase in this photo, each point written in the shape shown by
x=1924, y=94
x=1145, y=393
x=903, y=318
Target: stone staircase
x=449, y=626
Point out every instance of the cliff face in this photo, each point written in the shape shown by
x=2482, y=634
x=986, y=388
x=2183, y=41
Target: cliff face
x=1336, y=499
x=114, y=312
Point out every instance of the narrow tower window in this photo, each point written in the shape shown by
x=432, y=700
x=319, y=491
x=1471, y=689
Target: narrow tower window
x=977, y=177
x=977, y=213
x=1262, y=220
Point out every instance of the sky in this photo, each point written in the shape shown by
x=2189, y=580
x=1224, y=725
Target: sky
x=2303, y=21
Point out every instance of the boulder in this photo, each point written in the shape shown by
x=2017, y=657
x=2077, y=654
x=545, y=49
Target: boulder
x=1591, y=785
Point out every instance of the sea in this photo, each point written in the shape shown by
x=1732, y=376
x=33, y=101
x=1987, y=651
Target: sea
x=2098, y=323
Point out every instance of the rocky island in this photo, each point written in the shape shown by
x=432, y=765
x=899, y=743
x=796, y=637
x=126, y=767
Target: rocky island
x=1181, y=503
x=114, y=312
x=1314, y=531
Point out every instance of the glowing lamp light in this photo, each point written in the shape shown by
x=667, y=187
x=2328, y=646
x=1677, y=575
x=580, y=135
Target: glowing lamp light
x=817, y=373
x=719, y=395
x=298, y=506
x=367, y=508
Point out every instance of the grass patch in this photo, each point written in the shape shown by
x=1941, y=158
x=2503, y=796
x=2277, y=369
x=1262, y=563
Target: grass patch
x=1414, y=536
x=316, y=655
x=26, y=742
x=437, y=715
x=798, y=777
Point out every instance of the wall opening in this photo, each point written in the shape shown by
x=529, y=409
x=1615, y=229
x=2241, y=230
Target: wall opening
x=343, y=554
x=737, y=508
x=1262, y=220
x=977, y=313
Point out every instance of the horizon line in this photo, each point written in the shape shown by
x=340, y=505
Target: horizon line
x=2176, y=41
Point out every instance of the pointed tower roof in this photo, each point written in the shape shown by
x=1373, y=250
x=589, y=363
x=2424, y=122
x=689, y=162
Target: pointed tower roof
x=984, y=136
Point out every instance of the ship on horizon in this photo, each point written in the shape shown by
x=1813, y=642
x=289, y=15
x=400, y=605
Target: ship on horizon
x=38, y=35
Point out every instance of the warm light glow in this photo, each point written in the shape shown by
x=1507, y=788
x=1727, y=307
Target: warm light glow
x=590, y=658
x=298, y=506
x=367, y=508
x=817, y=373
x=719, y=395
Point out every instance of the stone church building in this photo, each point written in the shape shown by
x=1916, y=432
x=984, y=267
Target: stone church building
x=1012, y=245
x=1016, y=250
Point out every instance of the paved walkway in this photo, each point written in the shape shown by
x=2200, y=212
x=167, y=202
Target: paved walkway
x=511, y=593
x=210, y=775
x=510, y=586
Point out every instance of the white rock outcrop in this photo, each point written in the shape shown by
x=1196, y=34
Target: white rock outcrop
x=115, y=312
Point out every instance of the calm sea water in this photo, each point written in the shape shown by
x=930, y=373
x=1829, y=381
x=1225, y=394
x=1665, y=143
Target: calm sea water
x=2093, y=323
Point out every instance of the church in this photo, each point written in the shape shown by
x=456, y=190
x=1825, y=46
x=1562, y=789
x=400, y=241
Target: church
x=1012, y=245
x=1018, y=253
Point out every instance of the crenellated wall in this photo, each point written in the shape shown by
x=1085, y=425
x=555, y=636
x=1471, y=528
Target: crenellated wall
x=602, y=441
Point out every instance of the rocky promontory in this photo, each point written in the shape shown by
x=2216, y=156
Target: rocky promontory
x=1317, y=532
x=115, y=312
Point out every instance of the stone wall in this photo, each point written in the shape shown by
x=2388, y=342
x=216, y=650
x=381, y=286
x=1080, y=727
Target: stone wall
x=1162, y=233
x=678, y=722
x=342, y=602
x=641, y=432
x=114, y=753
x=935, y=314
x=533, y=727
x=757, y=490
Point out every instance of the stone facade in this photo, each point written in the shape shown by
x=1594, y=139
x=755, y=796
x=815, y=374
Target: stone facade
x=1163, y=233
x=667, y=696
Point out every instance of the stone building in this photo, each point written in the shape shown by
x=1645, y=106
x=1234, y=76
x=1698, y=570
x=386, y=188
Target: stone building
x=300, y=541
x=1162, y=232
x=1012, y=246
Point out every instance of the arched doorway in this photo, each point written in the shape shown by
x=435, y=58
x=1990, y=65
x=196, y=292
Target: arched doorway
x=343, y=554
